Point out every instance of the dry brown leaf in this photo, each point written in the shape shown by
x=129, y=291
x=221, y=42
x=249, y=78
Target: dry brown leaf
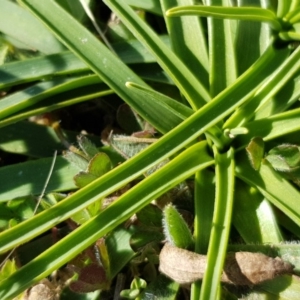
x=43, y=290
x=241, y=268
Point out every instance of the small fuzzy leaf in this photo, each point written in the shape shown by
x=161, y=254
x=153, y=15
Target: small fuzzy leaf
x=82, y=179
x=127, y=146
x=87, y=146
x=285, y=158
x=99, y=165
x=255, y=151
x=5, y=215
x=81, y=216
x=95, y=208
x=52, y=199
x=138, y=283
x=176, y=229
x=130, y=294
x=161, y=288
x=8, y=268
x=23, y=207
x=278, y=163
x=77, y=160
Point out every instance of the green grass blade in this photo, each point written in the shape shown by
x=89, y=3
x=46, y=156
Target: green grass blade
x=293, y=16
x=204, y=208
x=269, y=88
x=168, y=112
x=294, y=4
x=283, y=7
x=188, y=84
x=24, y=139
x=284, y=99
x=252, y=38
x=175, y=107
x=36, y=68
x=221, y=225
x=149, y=5
x=63, y=63
x=29, y=178
x=59, y=101
x=107, y=65
x=236, y=13
x=20, y=25
x=289, y=36
x=186, y=164
x=163, y=116
x=25, y=135
x=221, y=34
x=96, y=55
x=27, y=97
x=188, y=40
x=88, y=48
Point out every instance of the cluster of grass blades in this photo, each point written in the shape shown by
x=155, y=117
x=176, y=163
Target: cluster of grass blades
x=217, y=83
